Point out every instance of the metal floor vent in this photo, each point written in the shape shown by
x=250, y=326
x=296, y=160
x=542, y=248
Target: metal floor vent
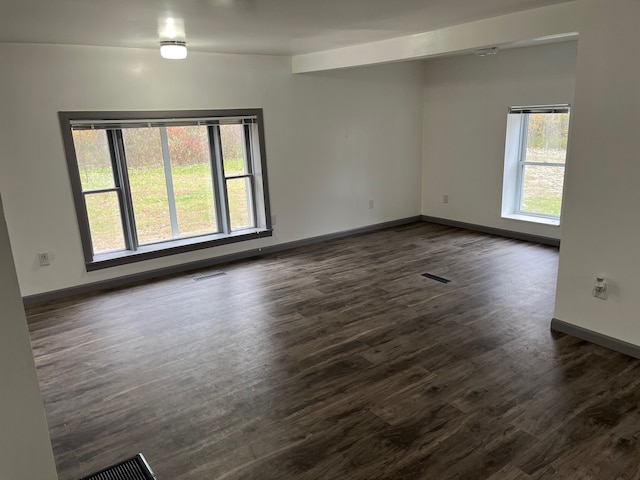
x=208, y=276
x=436, y=278
x=135, y=468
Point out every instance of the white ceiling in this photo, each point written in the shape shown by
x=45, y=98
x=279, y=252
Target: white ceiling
x=241, y=26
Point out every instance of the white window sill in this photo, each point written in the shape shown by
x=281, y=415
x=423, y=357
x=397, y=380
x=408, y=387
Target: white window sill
x=555, y=222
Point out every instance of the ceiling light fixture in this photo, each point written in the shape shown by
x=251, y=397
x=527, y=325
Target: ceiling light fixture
x=173, y=49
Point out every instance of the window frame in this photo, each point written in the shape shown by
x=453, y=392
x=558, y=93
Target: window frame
x=515, y=162
x=256, y=171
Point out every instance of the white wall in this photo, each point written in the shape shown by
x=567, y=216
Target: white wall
x=465, y=116
x=334, y=140
x=25, y=448
x=601, y=233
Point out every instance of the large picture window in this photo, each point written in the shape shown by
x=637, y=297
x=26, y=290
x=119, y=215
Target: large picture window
x=148, y=184
x=535, y=156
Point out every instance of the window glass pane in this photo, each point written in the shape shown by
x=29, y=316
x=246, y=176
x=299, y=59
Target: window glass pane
x=105, y=221
x=145, y=165
x=192, y=180
x=542, y=189
x=547, y=137
x=231, y=138
x=240, y=203
x=94, y=159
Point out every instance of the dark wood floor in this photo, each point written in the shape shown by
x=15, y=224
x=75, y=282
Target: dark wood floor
x=340, y=361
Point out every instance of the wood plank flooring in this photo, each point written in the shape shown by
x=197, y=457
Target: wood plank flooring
x=340, y=361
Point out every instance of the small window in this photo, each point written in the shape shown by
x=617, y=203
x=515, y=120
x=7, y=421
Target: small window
x=535, y=157
x=149, y=184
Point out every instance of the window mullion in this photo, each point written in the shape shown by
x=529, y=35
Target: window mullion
x=248, y=158
x=244, y=175
x=119, y=162
x=219, y=182
x=168, y=178
x=102, y=190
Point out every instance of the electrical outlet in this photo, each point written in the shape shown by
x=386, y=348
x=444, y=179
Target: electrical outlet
x=600, y=288
x=445, y=198
x=44, y=259
x=273, y=220
x=371, y=203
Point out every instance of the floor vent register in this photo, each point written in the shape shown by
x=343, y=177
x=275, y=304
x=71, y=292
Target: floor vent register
x=436, y=278
x=208, y=276
x=135, y=468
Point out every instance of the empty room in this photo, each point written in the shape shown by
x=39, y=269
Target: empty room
x=349, y=239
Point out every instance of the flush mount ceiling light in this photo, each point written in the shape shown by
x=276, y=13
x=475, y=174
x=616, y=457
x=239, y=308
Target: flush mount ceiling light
x=173, y=49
